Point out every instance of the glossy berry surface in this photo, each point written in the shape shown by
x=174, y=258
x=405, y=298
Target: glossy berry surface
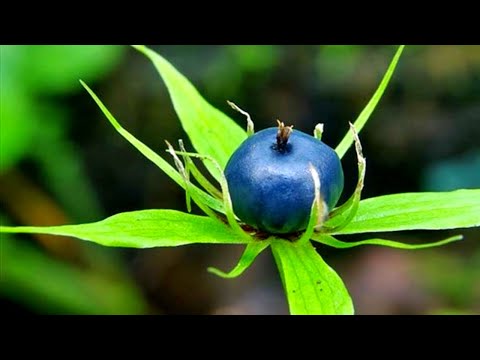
x=272, y=188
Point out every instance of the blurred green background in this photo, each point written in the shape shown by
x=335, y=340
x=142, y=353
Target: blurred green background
x=61, y=162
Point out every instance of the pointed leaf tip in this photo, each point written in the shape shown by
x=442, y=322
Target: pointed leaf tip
x=362, y=119
x=252, y=250
x=333, y=242
x=416, y=211
x=211, y=132
x=143, y=229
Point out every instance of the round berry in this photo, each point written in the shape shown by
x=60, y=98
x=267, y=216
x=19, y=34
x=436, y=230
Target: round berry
x=270, y=183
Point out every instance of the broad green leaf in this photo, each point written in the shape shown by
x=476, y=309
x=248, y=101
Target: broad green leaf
x=143, y=229
x=252, y=250
x=154, y=157
x=48, y=285
x=331, y=241
x=362, y=119
x=211, y=132
x=417, y=211
x=312, y=287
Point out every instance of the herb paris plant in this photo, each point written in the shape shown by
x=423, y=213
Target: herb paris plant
x=311, y=286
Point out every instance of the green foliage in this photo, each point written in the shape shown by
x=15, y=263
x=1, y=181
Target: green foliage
x=205, y=125
x=368, y=110
x=143, y=229
x=251, y=252
x=34, y=126
x=311, y=286
x=459, y=285
x=18, y=127
x=152, y=156
x=417, y=211
x=28, y=71
x=55, y=69
x=50, y=285
x=331, y=241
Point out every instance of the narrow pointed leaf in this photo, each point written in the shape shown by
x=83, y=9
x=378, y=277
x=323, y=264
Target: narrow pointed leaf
x=201, y=179
x=331, y=241
x=312, y=287
x=417, y=211
x=250, y=124
x=227, y=201
x=252, y=250
x=318, y=211
x=154, y=157
x=143, y=229
x=211, y=131
x=343, y=215
x=347, y=141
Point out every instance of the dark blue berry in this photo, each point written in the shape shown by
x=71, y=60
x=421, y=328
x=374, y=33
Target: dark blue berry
x=269, y=180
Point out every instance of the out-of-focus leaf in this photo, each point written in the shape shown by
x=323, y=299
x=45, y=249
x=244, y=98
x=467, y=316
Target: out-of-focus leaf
x=29, y=70
x=253, y=58
x=57, y=68
x=18, y=124
x=61, y=166
x=48, y=285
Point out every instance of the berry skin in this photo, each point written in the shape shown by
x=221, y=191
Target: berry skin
x=269, y=180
